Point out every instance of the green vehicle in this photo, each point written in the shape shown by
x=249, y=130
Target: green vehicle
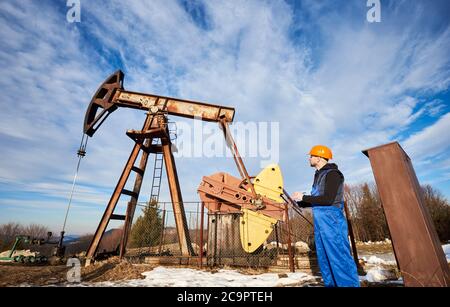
x=32, y=259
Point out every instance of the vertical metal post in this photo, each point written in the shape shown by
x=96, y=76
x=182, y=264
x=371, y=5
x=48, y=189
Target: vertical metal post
x=177, y=200
x=352, y=237
x=276, y=238
x=288, y=226
x=162, y=231
x=196, y=227
x=207, y=238
x=201, y=234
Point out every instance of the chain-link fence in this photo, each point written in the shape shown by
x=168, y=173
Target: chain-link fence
x=154, y=232
x=217, y=240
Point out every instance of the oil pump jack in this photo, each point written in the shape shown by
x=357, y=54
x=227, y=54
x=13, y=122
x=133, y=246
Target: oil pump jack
x=152, y=138
x=261, y=200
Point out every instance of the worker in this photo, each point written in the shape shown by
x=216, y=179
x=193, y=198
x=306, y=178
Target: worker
x=330, y=226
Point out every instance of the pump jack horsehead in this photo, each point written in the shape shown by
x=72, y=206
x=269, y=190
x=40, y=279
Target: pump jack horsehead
x=258, y=198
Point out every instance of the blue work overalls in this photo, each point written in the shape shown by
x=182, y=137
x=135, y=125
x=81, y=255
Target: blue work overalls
x=332, y=246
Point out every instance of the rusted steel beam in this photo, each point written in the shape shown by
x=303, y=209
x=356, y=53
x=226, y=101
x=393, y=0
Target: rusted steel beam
x=237, y=157
x=174, y=106
x=416, y=244
x=133, y=201
x=151, y=133
x=177, y=200
x=90, y=254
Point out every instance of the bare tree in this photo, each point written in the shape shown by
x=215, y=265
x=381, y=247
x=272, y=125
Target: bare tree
x=9, y=232
x=439, y=209
x=366, y=212
x=36, y=231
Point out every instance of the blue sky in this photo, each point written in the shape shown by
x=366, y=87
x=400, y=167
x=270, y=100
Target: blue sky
x=318, y=68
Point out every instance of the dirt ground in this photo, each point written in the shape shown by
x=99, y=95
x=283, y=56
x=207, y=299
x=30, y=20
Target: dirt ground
x=47, y=275
x=22, y=275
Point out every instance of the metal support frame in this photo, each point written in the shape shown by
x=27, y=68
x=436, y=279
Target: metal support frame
x=119, y=189
x=155, y=126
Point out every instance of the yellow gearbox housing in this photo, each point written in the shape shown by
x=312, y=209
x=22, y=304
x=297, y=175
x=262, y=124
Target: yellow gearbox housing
x=256, y=227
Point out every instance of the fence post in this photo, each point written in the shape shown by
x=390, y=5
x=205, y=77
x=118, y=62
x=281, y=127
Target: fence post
x=291, y=258
x=162, y=232
x=201, y=235
x=352, y=238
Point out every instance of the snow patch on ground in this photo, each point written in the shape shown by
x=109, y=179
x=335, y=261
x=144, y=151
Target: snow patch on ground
x=185, y=277
x=377, y=270
x=379, y=275
x=378, y=261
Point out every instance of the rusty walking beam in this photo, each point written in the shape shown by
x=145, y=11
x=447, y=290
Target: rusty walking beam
x=111, y=95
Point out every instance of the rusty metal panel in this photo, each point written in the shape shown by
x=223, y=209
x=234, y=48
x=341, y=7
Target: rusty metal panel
x=419, y=253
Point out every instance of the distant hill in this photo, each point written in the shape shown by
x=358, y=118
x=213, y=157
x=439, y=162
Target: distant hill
x=71, y=238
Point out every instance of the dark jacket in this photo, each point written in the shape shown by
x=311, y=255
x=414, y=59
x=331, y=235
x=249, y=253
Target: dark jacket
x=333, y=180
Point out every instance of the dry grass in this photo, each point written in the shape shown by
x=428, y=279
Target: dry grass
x=381, y=248
x=113, y=269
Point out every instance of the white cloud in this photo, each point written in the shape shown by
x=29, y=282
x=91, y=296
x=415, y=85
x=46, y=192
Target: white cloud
x=431, y=141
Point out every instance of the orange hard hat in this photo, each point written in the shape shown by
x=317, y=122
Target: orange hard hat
x=321, y=151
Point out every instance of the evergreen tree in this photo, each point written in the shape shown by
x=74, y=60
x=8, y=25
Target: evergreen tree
x=146, y=231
